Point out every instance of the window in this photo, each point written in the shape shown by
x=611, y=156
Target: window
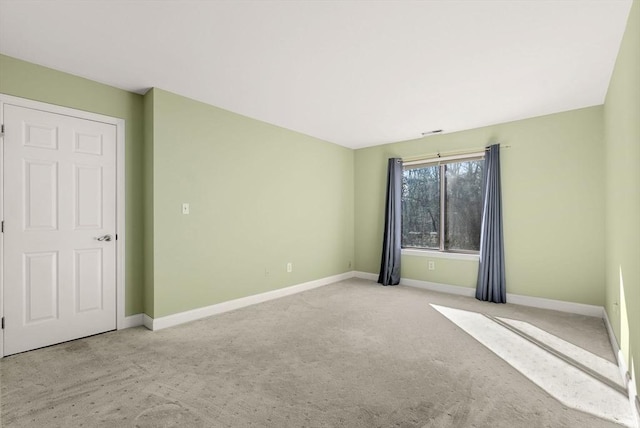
x=442, y=204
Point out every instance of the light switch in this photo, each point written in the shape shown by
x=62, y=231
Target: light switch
x=185, y=208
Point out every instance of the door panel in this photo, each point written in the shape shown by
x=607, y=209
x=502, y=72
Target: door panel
x=60, y=196
x=88, y=279
x=40, y=195
x=88, y=207
x=40, y=287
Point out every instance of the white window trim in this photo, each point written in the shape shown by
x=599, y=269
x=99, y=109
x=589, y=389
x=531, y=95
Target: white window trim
x=436, y=254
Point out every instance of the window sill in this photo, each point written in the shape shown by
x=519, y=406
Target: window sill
x=439, y=254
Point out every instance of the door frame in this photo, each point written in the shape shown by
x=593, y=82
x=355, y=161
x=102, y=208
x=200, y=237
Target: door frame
x=120, y=194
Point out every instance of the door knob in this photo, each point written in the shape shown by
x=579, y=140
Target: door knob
x=104, y=238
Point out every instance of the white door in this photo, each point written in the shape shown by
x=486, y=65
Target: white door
x=59, y=228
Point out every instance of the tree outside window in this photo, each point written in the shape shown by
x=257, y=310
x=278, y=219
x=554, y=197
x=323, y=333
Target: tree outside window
x=442, y=205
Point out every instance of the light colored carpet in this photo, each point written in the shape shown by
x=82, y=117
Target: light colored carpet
x=570, y=381
x=351, y=354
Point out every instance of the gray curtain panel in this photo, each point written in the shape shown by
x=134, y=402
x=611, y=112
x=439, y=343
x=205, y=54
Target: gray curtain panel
x=390, y=264
x=491, y=284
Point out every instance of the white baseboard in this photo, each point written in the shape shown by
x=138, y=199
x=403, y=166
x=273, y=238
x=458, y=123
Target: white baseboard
x=556, y=305
x=629, y=381
x=131, y=321
x=147, y=321
x=443, y=288
x=536, y=302
x=622, y=365
x=207, y=311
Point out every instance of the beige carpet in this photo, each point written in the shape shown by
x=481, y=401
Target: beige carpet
x=351, y=354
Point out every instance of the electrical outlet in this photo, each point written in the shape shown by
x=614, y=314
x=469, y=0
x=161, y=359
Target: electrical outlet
x=432, y=265
x=185, y=208
x=289, y=267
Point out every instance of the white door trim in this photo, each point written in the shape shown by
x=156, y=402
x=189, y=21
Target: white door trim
x=120, y=194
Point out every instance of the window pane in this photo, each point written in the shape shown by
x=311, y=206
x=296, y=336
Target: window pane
x=463, y=205
x=421, y=207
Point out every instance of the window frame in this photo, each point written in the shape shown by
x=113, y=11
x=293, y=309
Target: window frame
x=441, y=162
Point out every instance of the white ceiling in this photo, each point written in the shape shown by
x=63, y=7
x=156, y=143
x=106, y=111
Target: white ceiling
x=355, y=73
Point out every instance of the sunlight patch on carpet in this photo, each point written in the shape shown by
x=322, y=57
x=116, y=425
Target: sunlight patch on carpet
x=568, y=384
x=604, y=367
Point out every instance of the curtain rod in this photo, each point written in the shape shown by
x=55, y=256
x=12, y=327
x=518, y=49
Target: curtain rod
x=447, y=155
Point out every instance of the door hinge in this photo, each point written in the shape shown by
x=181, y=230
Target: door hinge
x=2, y=227
x=3, y=323
x=116, y=236
x=2, y=130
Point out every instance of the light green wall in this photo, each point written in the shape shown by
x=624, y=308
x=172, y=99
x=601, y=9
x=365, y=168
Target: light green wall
x=622, y=154
x=27, y=80
x=553, y=192
x=260, y=196
x=147, y=185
